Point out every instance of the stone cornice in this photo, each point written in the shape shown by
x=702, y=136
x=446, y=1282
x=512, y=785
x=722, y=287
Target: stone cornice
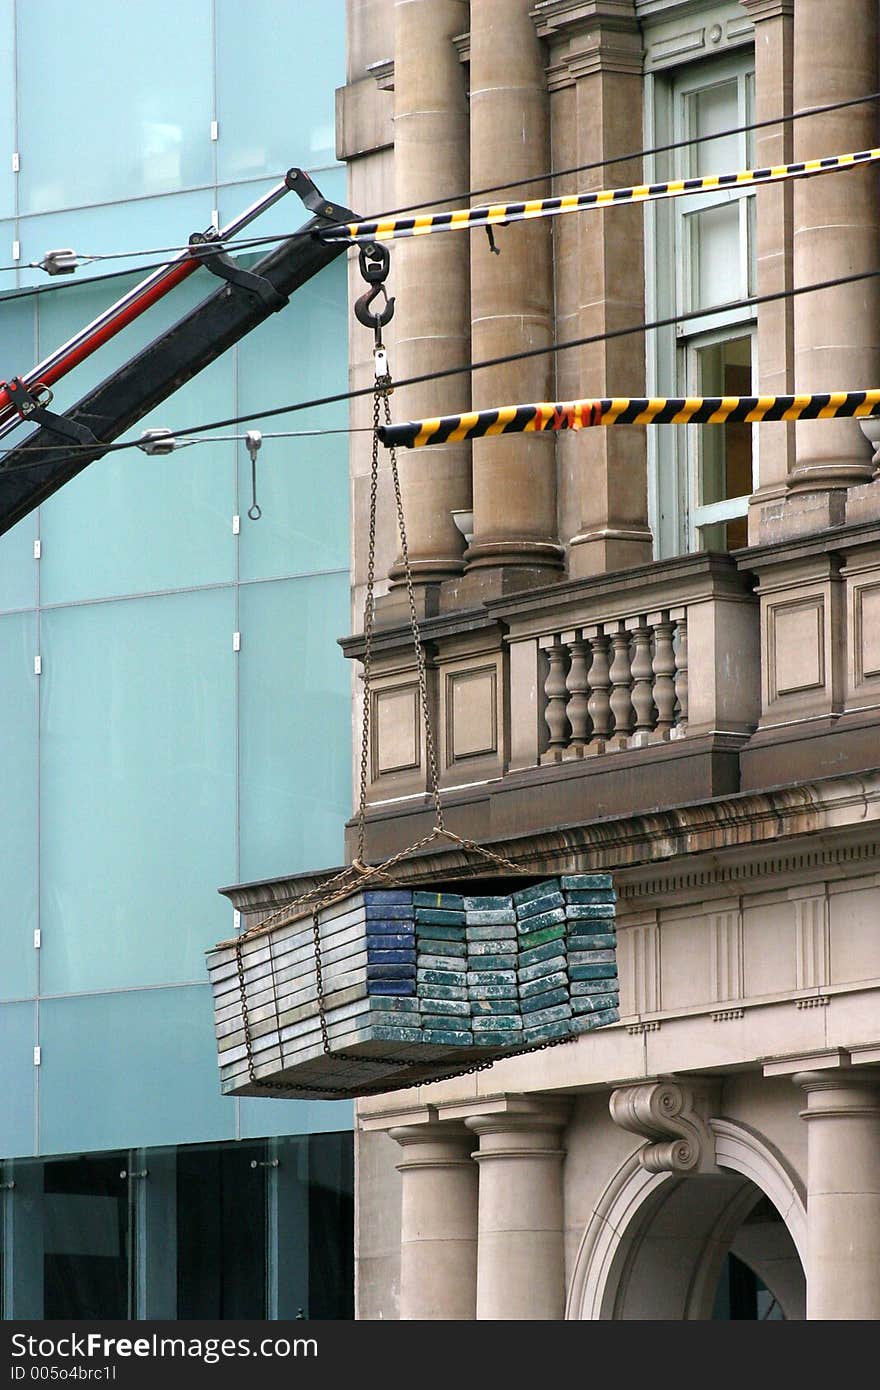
x=831, y=820
x=565, y=17
x=588, y=36
x=761, y=10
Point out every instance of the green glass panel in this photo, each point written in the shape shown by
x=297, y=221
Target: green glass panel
x=137, y=801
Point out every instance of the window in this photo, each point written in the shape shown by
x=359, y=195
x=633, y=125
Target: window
x=260, y=1229
x=703, y=266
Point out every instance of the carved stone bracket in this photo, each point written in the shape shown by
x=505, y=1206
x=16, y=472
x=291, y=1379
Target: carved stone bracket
x=673, y=1117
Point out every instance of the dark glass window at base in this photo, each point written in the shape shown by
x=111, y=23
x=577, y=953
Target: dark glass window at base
x=221, y=1231
x=87, y=1232
x=255, y=1230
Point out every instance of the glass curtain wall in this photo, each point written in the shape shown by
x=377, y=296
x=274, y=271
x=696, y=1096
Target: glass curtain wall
x=174, y=708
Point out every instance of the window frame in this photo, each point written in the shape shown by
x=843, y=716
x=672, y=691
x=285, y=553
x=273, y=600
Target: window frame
x=676, y=513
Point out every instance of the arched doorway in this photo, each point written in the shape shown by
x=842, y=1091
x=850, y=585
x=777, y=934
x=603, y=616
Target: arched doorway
x=698, y=1246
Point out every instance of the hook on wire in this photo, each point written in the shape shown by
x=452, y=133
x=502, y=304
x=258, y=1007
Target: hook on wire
x=253, y=441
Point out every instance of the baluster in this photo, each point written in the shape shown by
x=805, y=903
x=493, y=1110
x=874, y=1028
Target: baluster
x=681, y=677
x=642, y=684
x=556, y=691
x=621, y=676
x=599, y=705
x=664, y=670
x=578, y=689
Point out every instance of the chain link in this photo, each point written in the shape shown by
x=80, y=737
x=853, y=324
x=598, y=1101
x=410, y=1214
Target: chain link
x=369, y=612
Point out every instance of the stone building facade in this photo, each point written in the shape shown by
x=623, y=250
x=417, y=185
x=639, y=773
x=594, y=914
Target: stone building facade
x=655, y=653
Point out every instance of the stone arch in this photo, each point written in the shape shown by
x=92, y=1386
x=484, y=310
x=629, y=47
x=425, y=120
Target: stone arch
x=655, y=1244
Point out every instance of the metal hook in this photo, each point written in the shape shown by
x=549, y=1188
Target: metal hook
x=374, y=320
x=253, y=442
x=374, y=262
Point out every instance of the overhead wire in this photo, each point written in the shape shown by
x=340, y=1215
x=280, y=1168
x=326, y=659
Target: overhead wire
x=245, y=243
x=669, y=321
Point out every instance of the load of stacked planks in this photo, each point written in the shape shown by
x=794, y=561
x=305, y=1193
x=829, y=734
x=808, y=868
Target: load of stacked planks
x=414, y=984
x=567, y=958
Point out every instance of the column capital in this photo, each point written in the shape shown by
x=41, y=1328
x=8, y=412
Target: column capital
x=587, y=37
x=673, y=1116
x=839, y=1091
x=520, y=1117
x=433, y=1145
x=761, y=10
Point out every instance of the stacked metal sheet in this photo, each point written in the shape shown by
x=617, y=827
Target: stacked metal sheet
x=415, y=984
x=491, y=970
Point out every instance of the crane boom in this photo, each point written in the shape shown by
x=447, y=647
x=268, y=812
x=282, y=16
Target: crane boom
x=38, y=466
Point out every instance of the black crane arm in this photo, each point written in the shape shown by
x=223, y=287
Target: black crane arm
x=37, y=467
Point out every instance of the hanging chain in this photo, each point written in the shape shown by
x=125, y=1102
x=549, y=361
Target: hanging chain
x=369, y=612
x=430, y=751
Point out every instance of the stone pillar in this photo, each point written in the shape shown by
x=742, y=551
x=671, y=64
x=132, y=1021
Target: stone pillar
x=774, y=39
x=595, y=82
x=429, y=275
x=438, y=1244
x=836, y=231
x=515, y=529
x=843, y=1193
x=521, y=1263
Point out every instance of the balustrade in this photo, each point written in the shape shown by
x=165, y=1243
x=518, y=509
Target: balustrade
x=616, y=685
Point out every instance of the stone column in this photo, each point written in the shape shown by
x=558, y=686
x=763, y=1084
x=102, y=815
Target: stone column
x=595, y=81
x=515, y=529
x=521, y=1263
x=438, y=1245
x=429, y=276
x=774, y=38
x=843, y=1193
x=836, y=231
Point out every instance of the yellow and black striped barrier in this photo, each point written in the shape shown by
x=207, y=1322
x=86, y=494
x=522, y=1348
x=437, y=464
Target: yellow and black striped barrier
x=490, y=214
x=626, y=410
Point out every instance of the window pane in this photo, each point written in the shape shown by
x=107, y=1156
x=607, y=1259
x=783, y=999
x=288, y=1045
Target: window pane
x=18, y=805
x=295, y=725
x=286, y=117
x=725, y=369
x=331, y=1226
x=724, y=535
x=716, y=260
x=7, y=110
x=17, y=568
x=137, y=788
x=144, y=125
x=148, y=1059
x=87, y=1238
x=221, y=1231
x=17, y=1038
x=711, y=110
